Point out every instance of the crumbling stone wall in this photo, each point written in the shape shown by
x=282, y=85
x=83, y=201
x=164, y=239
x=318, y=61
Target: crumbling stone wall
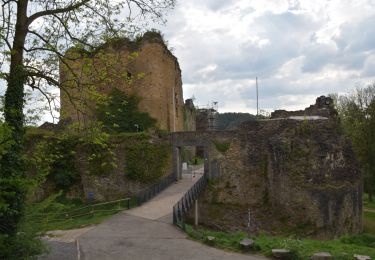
x=323, y=107
x=104, y=183
x=145, y=68
x=295, y=176
x=190, y=114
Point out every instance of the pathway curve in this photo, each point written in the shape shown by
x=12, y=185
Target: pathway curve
x=147, y=233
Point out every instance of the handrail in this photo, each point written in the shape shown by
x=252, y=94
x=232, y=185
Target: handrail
x=78, y=212
x=142, y=197
x=150, y=192
x=182, y=207
x=91, y=206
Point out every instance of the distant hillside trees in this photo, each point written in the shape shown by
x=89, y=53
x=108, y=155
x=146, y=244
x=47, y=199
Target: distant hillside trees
x=228, y=121
x=357, y=115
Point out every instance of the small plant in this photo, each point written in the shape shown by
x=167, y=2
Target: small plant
x=196, y=160
x=221, y=146
x=305, y=128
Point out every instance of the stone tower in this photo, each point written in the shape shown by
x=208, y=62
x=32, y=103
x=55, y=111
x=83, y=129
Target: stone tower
x=144, y=67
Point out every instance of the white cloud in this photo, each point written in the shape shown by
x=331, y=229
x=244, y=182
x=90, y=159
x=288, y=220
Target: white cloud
x=299, y=49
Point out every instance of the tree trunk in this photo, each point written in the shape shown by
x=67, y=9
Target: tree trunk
x=12, y=183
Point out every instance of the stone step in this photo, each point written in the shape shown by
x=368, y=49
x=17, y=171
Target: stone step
x=281, y=253
x=322, y=256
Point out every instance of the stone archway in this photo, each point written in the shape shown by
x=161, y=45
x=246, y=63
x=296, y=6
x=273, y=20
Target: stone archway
x=197, y=139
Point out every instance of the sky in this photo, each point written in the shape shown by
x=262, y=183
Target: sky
x=298, y=49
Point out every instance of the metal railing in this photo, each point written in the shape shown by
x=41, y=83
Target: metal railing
x=109, y=206
x=182, y=207
x=87, y=210
x=153, y=190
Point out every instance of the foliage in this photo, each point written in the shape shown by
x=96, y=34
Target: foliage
x=196, y=160
x=121, y=114
x=145, y=161
x=5, y=138
x=59, y=213
x=357, y=116
x=26, y=244
x=305, y=128
x=34, y=37
x=54, y=157
x=221, y=146
x=343, y=248
x=228, y=121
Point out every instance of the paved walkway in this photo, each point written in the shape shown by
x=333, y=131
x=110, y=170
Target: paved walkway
x=147, y=233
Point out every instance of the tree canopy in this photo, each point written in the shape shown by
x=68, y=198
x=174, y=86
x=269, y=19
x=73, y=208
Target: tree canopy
x=357, y=115
x=34, y=35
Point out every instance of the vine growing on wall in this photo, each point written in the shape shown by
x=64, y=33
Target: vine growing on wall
x=54, y=157
x=145, y=161
x=121, y=114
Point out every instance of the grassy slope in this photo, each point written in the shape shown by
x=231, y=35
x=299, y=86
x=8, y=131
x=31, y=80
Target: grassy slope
x=70, y=214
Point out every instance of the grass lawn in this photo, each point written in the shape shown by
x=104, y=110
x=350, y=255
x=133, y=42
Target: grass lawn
x=343, y=248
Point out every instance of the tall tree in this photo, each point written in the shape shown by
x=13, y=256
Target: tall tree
x=357, y=114
x=34, y=36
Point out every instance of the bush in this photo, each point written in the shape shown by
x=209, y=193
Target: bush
x=221, y=146
x=145, y=161
x=53, y=158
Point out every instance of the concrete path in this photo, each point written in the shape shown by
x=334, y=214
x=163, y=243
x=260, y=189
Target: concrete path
x=147, y=233
x=60, y=251
x=130, y=237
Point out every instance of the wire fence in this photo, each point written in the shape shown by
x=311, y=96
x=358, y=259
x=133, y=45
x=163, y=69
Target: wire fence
x=92, y=209
x=103, y=207
x=183, y=206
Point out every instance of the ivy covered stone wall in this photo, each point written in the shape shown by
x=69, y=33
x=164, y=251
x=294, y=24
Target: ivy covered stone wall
x=107, y=167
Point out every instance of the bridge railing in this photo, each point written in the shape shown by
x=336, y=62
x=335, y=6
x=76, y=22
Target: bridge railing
x=150, y=192
x=182, y=207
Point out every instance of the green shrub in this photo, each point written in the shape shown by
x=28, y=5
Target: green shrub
x=145, y=161
x=53, y=158
x=221, y=146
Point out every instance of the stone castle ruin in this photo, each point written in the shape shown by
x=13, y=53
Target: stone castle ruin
x=144, y=67
x=294, y=171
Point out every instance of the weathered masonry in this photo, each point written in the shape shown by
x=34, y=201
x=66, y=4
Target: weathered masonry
x=295, y=174
x=144, y=67
x=204, y=139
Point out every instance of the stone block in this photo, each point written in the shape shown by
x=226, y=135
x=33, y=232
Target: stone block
x=281, y=253
x=246, y=244
x=210, y=240
x=321, y=256
x=362, y=257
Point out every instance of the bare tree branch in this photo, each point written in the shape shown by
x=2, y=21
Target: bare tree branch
x=56, y=11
